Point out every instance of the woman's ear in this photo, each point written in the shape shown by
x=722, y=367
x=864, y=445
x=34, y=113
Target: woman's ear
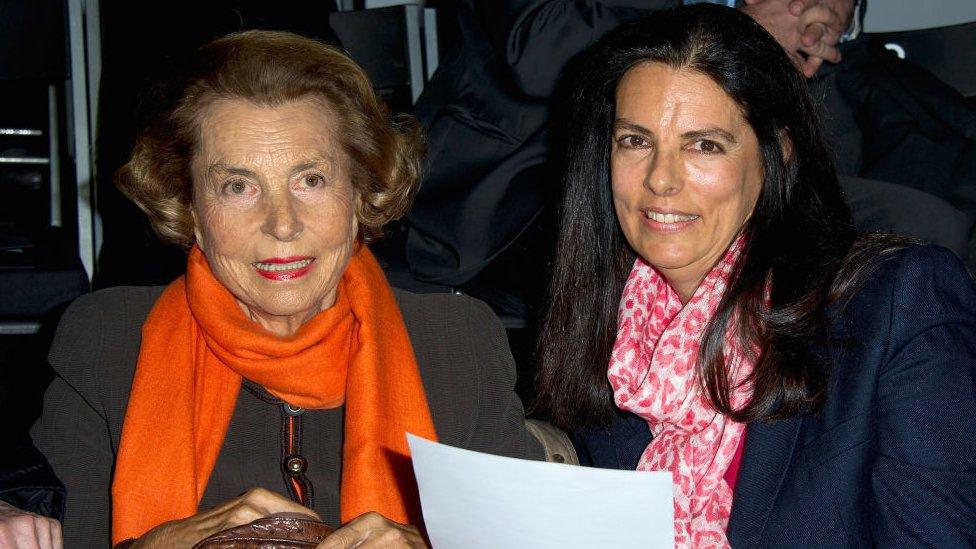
x=197, y=236
x=357, y=225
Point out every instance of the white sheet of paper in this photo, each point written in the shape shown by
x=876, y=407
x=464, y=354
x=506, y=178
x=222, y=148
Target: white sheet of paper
x=472, y=500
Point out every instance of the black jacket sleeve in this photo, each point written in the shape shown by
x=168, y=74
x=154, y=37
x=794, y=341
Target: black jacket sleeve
x=27, y=481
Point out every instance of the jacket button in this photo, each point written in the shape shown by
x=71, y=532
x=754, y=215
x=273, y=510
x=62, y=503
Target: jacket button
x=293, y=411
x=295, y=465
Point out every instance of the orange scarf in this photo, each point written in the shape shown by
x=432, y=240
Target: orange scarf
x=197, y=344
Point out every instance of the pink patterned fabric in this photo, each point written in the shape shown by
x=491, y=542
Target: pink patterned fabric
x=653, y=374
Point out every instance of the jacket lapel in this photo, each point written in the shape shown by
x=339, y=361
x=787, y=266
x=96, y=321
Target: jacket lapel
x=765, y=459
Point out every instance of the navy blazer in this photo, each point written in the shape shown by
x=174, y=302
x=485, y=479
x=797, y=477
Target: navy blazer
x=890, y=460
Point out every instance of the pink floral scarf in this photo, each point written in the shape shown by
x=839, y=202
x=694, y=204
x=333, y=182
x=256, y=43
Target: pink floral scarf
x=653, y=374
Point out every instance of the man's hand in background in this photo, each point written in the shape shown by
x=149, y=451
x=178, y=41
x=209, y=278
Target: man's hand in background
x=809, y=30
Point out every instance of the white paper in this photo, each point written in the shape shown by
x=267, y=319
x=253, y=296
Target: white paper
x=472, y=500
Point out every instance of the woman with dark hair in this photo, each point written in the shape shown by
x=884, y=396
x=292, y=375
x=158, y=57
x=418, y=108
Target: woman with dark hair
x=714, y=312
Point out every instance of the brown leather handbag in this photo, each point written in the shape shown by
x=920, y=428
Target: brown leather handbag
x=279, y=531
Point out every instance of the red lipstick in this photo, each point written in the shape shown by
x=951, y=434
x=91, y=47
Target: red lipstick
x=284, y=268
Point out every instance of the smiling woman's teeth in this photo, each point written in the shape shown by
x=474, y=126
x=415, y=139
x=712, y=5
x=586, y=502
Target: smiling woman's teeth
x=669, y=218
x=283, y=266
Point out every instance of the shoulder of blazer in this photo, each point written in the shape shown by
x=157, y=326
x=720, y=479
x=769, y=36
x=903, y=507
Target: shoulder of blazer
x=444, y=315
x=929, y=282
x=448, y=330
x=96, y=346
x=111, y=313
x=100, y=319
x=907, y=295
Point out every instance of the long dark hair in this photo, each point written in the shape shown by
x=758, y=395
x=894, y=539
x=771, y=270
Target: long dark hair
x=799, y=238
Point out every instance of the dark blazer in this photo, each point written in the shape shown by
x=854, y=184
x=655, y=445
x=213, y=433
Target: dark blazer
x=890, y=460
x=461, y=350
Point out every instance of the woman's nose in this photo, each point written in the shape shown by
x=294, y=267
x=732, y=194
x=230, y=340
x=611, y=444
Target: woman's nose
x=283, y=221
x=663, y=174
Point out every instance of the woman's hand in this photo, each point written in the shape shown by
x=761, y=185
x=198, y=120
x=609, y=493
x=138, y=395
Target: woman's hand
x=254, y=504
x=373, y=530
x=22, y=530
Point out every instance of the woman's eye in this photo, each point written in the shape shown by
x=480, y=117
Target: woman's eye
x=312, y=181
x=236, y=188
x=632, y=142
x=708, y=146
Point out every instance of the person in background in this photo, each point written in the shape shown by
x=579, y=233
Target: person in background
x=809, y=30
x=281, y=373
x=715, y=309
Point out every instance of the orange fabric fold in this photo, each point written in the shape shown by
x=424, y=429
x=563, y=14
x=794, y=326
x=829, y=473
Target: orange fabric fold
x=197, y=345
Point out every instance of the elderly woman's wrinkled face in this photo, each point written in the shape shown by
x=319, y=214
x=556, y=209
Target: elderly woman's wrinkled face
x=686, y=170
x=274, y=207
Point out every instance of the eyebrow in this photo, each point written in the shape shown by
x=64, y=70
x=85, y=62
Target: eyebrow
x=308, y=165
x=709, y=132
x=220, y=167
x=624, y=124
x=229, y=170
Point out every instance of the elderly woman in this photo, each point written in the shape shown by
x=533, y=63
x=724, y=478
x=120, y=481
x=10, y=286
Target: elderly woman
x=281, y=366
x=715, y=314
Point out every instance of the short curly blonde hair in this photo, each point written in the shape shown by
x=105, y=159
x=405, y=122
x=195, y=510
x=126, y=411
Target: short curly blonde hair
x=271, y=68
